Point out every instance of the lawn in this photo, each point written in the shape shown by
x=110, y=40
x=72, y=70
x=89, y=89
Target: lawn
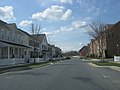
x=107, y=64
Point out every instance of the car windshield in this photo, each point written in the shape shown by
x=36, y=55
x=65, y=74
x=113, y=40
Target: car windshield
x=59, y=44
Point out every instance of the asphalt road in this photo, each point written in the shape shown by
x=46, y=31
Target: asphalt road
x=67, y=75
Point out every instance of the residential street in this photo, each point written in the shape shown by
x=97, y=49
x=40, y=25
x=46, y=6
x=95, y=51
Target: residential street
x=66, y=75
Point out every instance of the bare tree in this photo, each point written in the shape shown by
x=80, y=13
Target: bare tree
x=35, y=29
x=96, y=30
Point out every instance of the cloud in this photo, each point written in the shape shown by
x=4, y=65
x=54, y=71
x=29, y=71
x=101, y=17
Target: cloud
x=25, y=23
x=66, y=1
x=91, y=6
x=74, y=26
x=43, y=29
x=53, y=13
x=6, y=13
x=67, y=14
x=78, y=24
x=87, y=19
x=70, y=46
x=48, y=33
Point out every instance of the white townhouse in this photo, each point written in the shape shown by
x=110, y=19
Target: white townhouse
x=13, y=42
x=18, y=44
x=43, y=46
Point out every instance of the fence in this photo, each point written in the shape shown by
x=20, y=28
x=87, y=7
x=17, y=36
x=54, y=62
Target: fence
x=5, y=62
x=13, y=61
x=117, y=58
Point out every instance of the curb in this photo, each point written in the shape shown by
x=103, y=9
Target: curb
x=111, y=67
x=21, y=66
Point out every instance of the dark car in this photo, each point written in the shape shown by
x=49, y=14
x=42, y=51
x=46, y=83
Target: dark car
x=67, y=58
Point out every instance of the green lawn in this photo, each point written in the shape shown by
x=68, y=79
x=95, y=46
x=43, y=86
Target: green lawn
x=107, y=64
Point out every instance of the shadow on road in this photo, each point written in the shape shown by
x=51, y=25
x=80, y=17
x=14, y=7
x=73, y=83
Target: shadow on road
x=30, y=73
x=62, y=64
x=83, y=79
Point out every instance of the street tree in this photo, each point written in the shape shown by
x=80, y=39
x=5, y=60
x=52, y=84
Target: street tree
x=35, y=30
x=96, y=30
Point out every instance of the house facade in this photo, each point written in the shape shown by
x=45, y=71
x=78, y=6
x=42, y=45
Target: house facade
x=13, y=43
x=113, y=41
x=108, y=45
x=42, y=47
x=18, y=46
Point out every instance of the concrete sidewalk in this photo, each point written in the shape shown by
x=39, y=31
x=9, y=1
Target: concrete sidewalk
x=111, y=67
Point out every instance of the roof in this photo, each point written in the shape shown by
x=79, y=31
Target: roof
x=109, y=25
x=12, y=26
x=24, y=32
x=83, y=48
x=39, y=37
x=116, y=24
x=11, y=43
x=4, y=24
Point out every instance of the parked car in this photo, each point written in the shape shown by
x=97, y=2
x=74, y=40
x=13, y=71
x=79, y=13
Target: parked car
x=67, y=58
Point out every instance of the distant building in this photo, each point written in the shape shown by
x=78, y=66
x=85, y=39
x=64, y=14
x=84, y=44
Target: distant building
x=83, y=51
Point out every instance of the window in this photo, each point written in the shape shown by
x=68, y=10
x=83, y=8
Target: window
x=14, y=37
x=18, y=38
x=110, y=35
x=8, y=33
x=42, y=46
x=21, y=39
x=2, y=34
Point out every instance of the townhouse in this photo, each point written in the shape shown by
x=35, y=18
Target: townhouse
x=109, y=45
x=13, y=43
x=18, y=44
x=43, y=45
x=113, y=41
x=54, y=52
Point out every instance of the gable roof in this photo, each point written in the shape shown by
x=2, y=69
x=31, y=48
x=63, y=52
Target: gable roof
x=39, y=37
x=4, y=24
x=12, y=26
x=83, y=48
x=24, y=32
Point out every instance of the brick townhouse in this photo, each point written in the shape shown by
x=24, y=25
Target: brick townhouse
x=108, y=45
x=113, y=40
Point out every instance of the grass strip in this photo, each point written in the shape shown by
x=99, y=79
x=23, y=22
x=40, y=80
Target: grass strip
x=107, y=64
x=33, y=65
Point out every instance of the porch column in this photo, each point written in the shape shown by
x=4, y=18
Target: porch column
x=38, y=53
x=8, y=52
x=13, y=50
x=18, y=53
x=27, y=53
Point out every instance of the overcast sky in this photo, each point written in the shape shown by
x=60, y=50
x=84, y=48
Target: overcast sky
x=63, y=21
